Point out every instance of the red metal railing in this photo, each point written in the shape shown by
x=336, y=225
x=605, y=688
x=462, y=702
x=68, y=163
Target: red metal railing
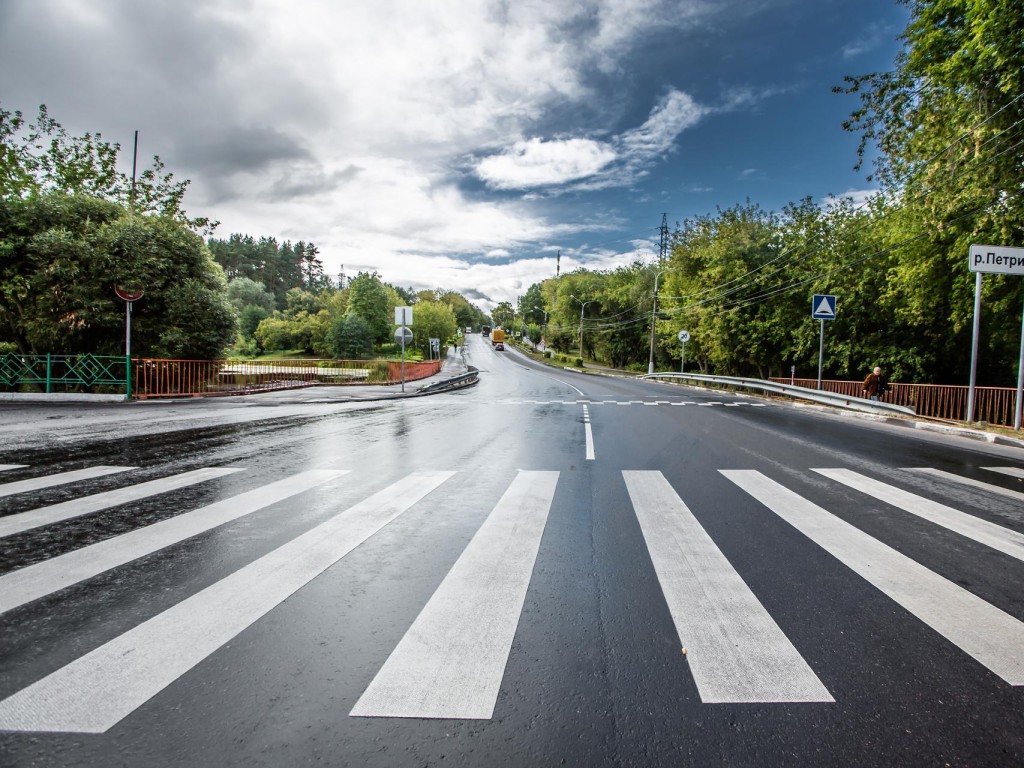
x=938, y=401
x=199, y=378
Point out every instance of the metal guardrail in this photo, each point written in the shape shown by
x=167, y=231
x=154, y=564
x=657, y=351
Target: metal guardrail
x=456, y=382
x=813, y=395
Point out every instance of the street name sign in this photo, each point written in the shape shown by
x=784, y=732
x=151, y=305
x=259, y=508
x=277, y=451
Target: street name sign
x=823, y=307
x=998, y=259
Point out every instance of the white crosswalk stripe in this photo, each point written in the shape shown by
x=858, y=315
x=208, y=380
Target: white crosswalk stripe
x=54, y=513
x=61, y=478
x=1009, y=493
x=991, y=636
x=451, y=661
x=35, y=581
x=97, y=691
x=991, y=535
x=736, y=651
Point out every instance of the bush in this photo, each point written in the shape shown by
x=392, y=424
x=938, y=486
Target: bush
x=578, y=362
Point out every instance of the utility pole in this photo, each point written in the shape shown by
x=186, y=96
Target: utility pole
x=654, y=317
x=663, y=246
x=558, y=263
x=583, y=305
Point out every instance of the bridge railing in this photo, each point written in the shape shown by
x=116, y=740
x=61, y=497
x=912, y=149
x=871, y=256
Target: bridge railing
x=994, y=405
x=198, y=378
x=51, y=374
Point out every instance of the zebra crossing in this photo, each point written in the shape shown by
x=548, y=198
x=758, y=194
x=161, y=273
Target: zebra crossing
x=451, y=662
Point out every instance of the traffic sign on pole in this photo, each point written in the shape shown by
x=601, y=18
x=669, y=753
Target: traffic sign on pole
x=823, y=307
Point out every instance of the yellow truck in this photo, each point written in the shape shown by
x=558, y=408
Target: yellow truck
x=498, y=338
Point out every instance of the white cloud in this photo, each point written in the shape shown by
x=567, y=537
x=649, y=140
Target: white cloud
x=537, y=163
x=596, y=164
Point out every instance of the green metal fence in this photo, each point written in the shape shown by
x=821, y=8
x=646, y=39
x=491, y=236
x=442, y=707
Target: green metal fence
x=65, y=373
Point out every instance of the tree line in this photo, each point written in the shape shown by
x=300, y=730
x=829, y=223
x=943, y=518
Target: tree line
x=948, y=125
x=73, y=228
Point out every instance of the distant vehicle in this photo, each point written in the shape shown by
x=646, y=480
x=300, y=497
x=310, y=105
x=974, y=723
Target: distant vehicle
x=469, y=329
x=498, y=339
x=485, y=330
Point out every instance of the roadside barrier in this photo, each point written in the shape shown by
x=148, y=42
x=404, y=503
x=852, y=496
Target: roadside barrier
x=203, y=378
x=936, y=401
x=773, y=387
x=63, y=374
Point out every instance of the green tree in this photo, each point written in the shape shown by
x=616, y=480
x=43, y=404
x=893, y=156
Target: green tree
x=433, y=319
x=947, y=123
x=349, y=338
x=42, y=158
x=62, y=256
x=243, y=292
x=504, y=315
x=369, y=298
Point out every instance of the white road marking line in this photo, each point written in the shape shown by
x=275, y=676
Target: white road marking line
x=61, y=478
x=451, y=662
x=589, y=433
x=991, y=535
x=968, y=481
x=35, y=581
x=34, y=518
x=736, y=651
x=992, y=637
x=98, y=690
x=5, y=467
x=1011, y=471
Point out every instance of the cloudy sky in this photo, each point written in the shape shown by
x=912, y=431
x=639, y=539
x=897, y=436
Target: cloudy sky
x=461, y=143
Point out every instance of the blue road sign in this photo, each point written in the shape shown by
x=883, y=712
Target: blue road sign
x=823, y=307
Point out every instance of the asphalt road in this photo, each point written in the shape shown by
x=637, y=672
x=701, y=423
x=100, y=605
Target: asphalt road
x=549, y=568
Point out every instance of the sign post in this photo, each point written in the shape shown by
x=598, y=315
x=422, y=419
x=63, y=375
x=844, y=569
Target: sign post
x=684, y=336
x=128, y=295
x=1001, y=260
x=403, y=317
x=823, y=307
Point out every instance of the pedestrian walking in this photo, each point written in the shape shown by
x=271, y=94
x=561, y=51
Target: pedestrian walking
x=875, y=384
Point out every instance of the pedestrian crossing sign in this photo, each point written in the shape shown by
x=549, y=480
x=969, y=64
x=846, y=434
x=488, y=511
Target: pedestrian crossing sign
x=823, y=307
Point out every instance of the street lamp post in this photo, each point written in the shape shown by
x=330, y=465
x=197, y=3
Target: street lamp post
x=545, y=320
x=654, y=317
x=583, y=305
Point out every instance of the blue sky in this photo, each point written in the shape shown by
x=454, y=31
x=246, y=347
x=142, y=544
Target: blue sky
x=462, y=143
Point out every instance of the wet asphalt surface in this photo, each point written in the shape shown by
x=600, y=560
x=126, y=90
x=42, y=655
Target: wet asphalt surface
x=595, y=675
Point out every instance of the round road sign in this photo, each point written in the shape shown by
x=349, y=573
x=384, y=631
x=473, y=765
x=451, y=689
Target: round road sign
x=684, y=336
x=128, y=294
x=408, y=335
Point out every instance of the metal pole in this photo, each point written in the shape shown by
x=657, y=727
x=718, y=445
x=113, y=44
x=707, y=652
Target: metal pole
x=821, y=350
x=682, y=362
x=128, y=329
x=135, y=158
x=654, y=316
x=974, y=346
x=403, y=350
x=1020, y=377
x=582, y=307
